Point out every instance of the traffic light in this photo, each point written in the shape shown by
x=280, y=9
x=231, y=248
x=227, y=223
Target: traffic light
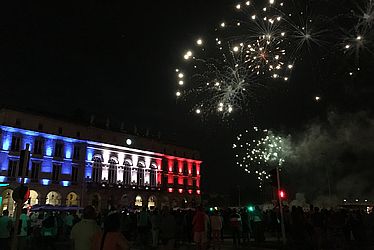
x=282, y=194
x=273, y=178
x=251, y=208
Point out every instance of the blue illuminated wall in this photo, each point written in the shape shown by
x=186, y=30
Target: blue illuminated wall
x=47, y=160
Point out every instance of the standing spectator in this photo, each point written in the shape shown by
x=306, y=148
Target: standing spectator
x=83, y=232
x=200, y=228
x=236, y=227
x=68, y=223
x=49, y=231
x=142, y=225
x=5, y=228
x=258, y=225
x=167, y=229
x=245, y=226
x=111, y=238
x=23, y=229
x=126, y=223
x=216, y=225
x=188, y=225
x=156, y=224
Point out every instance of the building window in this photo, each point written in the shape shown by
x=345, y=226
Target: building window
x=56, y=169
x=38, y=145
x=96, y=170
x=16, y=141
x=112, y=174
x=60, y=131
x=127, y=175
x=58, y=150
x=153, y=178
x=76, y=153
x=40, y=126
x=74, y=173
x=12, y=167
x=35, y=168
x=140, y=176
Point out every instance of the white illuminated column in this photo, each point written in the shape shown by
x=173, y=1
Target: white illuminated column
x=120, y=173
x=134, y=175
x=147, y=177
x=104, y=172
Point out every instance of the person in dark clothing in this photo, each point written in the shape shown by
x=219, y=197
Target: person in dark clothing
x=236, y=227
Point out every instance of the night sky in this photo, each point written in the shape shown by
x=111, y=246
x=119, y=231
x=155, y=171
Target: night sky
x=117, y=59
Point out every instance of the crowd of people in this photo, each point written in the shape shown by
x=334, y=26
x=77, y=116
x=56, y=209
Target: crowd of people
x=170, y=228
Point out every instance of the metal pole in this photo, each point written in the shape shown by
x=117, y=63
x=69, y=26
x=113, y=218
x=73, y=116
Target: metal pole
x=20, y=201
x=281, y=208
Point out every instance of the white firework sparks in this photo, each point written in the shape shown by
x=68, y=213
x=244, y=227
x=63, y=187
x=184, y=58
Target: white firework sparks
x=259, y=151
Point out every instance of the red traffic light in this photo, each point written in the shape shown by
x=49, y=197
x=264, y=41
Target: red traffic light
x=282, y=194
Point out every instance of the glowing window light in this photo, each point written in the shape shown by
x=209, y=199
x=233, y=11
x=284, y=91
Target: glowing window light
x=198, y=191
x=68, y=153
x=89, y=154
x=170, y=190
x=2, y=178
x=190, y=191
x=180, y=190
x=7, y=137
x=88, y=172
x=65, y=183
x=45, y=182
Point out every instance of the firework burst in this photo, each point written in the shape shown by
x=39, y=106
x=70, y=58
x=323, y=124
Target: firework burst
x=258, y=151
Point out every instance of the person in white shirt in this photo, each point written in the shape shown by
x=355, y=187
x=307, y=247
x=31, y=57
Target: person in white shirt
x=82, y=233
x=216, y=225
x=23, y=229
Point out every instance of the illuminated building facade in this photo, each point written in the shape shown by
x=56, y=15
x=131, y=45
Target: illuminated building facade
x=77, y=165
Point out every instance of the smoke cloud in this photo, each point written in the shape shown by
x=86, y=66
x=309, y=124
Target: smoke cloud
x=334, y=157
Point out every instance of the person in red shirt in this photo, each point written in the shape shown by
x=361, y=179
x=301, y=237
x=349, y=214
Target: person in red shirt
x=200, y=228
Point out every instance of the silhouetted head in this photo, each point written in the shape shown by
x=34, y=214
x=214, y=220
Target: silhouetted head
x=89, y=212
x=112, y=223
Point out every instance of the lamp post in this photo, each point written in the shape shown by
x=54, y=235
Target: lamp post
x=283, y=230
